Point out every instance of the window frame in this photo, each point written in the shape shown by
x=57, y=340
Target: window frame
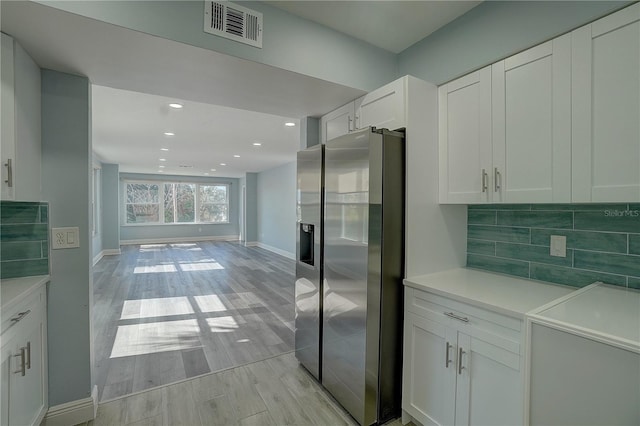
x=161, y=185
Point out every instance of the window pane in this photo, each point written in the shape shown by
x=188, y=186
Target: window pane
x=185, y=202
x=214, y=213
x=143, y=213
x=169, y=216
x=139, y=193
x=213, y=193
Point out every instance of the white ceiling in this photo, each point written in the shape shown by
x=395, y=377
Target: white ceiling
x=390, y=25
x=128, y=129
x=134, y=80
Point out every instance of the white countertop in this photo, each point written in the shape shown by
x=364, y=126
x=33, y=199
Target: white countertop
x=15, y=289
x=602, y=311
x=500, y=293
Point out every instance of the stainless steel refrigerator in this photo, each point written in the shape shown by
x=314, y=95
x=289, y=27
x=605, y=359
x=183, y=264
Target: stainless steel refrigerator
x=360, y=312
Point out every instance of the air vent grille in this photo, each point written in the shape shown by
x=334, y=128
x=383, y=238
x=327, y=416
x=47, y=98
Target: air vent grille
x=234, y=22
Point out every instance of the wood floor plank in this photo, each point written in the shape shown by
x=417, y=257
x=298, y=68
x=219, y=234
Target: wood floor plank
x=246, y=289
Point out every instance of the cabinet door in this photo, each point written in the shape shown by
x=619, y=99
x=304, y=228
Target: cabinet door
x=429, y=381
x=465, y=139
x=606, y=109
x=337, y=123
x=384, y=107
x=488, y=390
x=28, y=397
x=531, y=101
x=7, y=119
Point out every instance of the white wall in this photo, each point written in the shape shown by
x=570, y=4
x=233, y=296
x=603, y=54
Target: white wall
x=277, y=209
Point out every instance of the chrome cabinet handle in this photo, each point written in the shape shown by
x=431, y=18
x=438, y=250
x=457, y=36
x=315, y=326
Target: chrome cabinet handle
x=22, y=370
x=9, y=179
x=28, y=363
x=484, y=180
x=19, y=317
x=497, y=180
x=355, y=124
x=350, y=121
x=447, y=360
x=458, y=317
x=460, y=367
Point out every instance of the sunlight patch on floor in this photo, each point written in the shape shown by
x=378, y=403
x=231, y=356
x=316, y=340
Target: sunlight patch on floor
x=159, y=307
x=210, y=303
x=140, y=339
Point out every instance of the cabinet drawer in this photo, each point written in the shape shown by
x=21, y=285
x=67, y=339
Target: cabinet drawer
x=498, y=329
x=32, y=305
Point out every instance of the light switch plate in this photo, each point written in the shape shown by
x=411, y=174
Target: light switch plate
x=63, y=238
x=558, y=246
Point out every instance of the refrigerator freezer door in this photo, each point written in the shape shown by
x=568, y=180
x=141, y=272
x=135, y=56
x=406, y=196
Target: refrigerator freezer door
x=308, y=290
x=345, y=266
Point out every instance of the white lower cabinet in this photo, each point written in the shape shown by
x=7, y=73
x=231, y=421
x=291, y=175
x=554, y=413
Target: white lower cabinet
x=23, y=376
x=462, y=364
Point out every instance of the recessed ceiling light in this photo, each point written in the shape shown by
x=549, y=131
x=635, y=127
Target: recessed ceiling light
x=176, y=105
x=169, y=134
x=163, y=159
x=257, y=144
x=206, y=174
x=164, y=149
x=290, y=124
x=213, y=170
x=236, y=156
x=161, y=166
x=160, y=171
x=223, y=164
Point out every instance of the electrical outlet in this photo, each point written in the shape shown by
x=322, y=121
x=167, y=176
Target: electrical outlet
x=558, y=246
x=63, y=238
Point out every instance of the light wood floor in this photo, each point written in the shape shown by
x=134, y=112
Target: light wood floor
x=275, y=391
x=167, y=312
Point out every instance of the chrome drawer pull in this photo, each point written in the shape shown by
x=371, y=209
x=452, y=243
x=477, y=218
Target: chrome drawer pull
x=458, y=317
x=28, y=363
x=9, y=180
x=18, y=317
x=460, y=367
x=22, y=370
x=447, y=360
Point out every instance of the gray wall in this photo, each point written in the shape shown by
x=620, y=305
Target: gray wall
x=493, y=31
x=110, y=207
x=198, y=230
x=277, y=208
x=289, y=42
x=251, y=207
x=66, y=171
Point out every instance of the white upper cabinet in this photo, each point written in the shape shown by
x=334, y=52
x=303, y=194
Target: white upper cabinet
x=20, y=123
x=384, y=107
x=606, y=109
x=337, y=123
x=531, y=101
x=465, y=139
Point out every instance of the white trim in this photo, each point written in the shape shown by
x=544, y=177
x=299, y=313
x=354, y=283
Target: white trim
x=275, y=250
x=74, y=412
x=251, y=243
x=180, y=240
x=103, y=253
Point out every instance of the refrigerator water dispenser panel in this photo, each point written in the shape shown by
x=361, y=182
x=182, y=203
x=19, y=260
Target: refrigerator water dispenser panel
x=306, y=243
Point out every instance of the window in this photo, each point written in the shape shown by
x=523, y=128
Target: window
x=214, y=203
x=181, y=203
x=143, y=203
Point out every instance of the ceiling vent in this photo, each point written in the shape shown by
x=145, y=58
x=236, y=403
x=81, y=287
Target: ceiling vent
x=229, y=20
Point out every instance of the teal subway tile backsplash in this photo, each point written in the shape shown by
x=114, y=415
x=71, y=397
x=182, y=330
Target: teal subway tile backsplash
x=24, y=239
x=603, y=242
x=585, y=240
x=498, y=233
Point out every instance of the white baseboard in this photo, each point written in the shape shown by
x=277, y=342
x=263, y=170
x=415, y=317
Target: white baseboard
x=74, y=412
x=276, y=250
x=103, y=253
x=180, y=240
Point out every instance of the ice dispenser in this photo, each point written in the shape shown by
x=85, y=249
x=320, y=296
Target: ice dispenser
x=306, y=243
